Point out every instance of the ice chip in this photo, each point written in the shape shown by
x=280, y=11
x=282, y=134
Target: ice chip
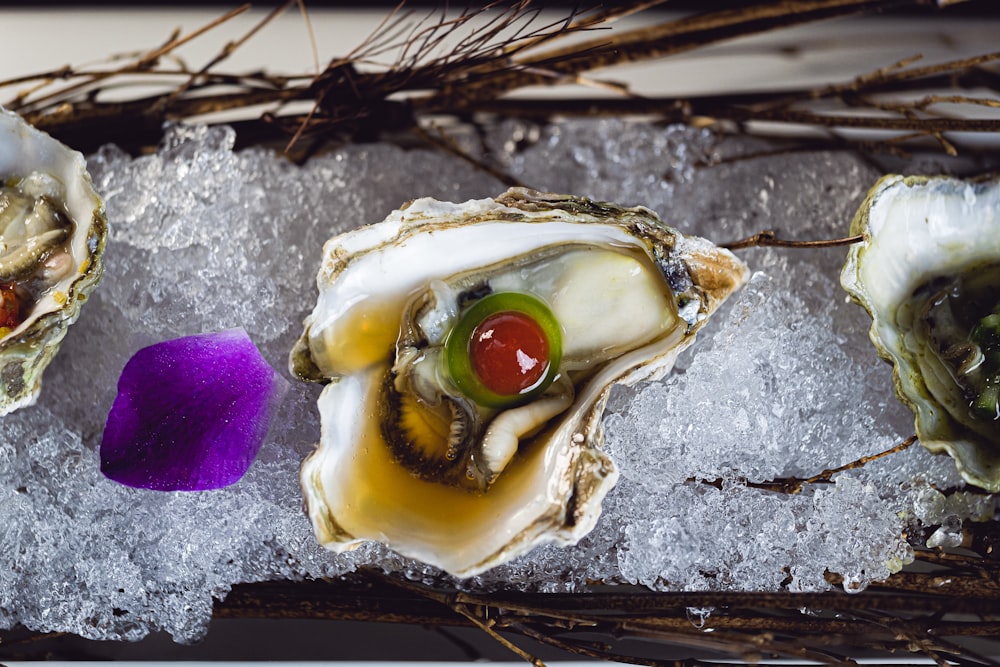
x=191, y=413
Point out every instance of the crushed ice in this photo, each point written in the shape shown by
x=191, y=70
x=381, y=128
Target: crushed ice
x=783, y=383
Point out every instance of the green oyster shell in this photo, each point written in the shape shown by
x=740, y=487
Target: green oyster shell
x=28, y=349
x=917, y=229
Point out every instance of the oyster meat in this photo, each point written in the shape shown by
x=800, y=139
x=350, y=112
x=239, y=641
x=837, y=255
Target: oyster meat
x=928, y=272
x=52, y=234
x=470, y=349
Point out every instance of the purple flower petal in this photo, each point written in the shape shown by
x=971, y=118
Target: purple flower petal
x=191, y=413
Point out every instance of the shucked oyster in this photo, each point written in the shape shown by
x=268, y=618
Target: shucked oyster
x=928, y=272
x=470, y=349
x=52, y=234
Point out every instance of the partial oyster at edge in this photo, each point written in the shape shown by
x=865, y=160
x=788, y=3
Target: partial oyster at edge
x=470, y=349
x=52, y=235
x=928, y=272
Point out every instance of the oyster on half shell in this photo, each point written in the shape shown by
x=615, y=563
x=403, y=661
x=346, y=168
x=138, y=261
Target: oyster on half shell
x=52, y=235
x=928, y=272
x=470, y=349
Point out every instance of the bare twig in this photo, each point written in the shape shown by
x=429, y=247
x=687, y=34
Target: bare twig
x=442, y=140
x=226, y=51
x=794, y=485
x=146, y=62
x=768, y=238
x=499, y=49
x=481, y=619
x=805, y=626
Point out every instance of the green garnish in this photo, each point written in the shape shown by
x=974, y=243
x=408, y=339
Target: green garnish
x=505, y=350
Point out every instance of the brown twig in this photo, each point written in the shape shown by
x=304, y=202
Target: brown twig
x=657, y=41
x=794, y=485
x=442, y=140
x=145, y=62
x=481, y=619
x=592, y=623
x=768, y=238
x=229, y=48
x=498, y=50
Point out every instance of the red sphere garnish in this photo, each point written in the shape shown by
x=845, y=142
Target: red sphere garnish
x=11, y=307
x=509, y=353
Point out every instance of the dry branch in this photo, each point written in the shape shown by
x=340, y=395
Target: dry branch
x=825, y=627
x=498, y=49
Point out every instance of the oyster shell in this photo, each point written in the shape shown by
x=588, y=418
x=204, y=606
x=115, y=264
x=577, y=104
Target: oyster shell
x=440, y=471
x=52, y=234
x=928, y=273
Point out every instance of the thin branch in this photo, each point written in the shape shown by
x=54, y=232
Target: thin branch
x=657, y=41
x=226, y=51
x=794, y=485
x=499, y=52
x=146, y=61
x=484, y=623
x=885, y=618
x=446, y=143
x=768, y=238
x=487, y=627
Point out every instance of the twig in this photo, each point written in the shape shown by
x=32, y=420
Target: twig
x=484, y=623
x=768, y=238
x=145, y=62
x=226, y=51
x=498, y=54
x=670, y=38
x=446, y=143
x=884, y=618
x=793, y=485
x=487, y=627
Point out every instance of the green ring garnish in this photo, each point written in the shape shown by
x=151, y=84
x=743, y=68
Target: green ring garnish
x=526, y=318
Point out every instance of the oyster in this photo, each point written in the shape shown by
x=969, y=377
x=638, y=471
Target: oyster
x=928, y=272
x=52, y=234
x=470, y=349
